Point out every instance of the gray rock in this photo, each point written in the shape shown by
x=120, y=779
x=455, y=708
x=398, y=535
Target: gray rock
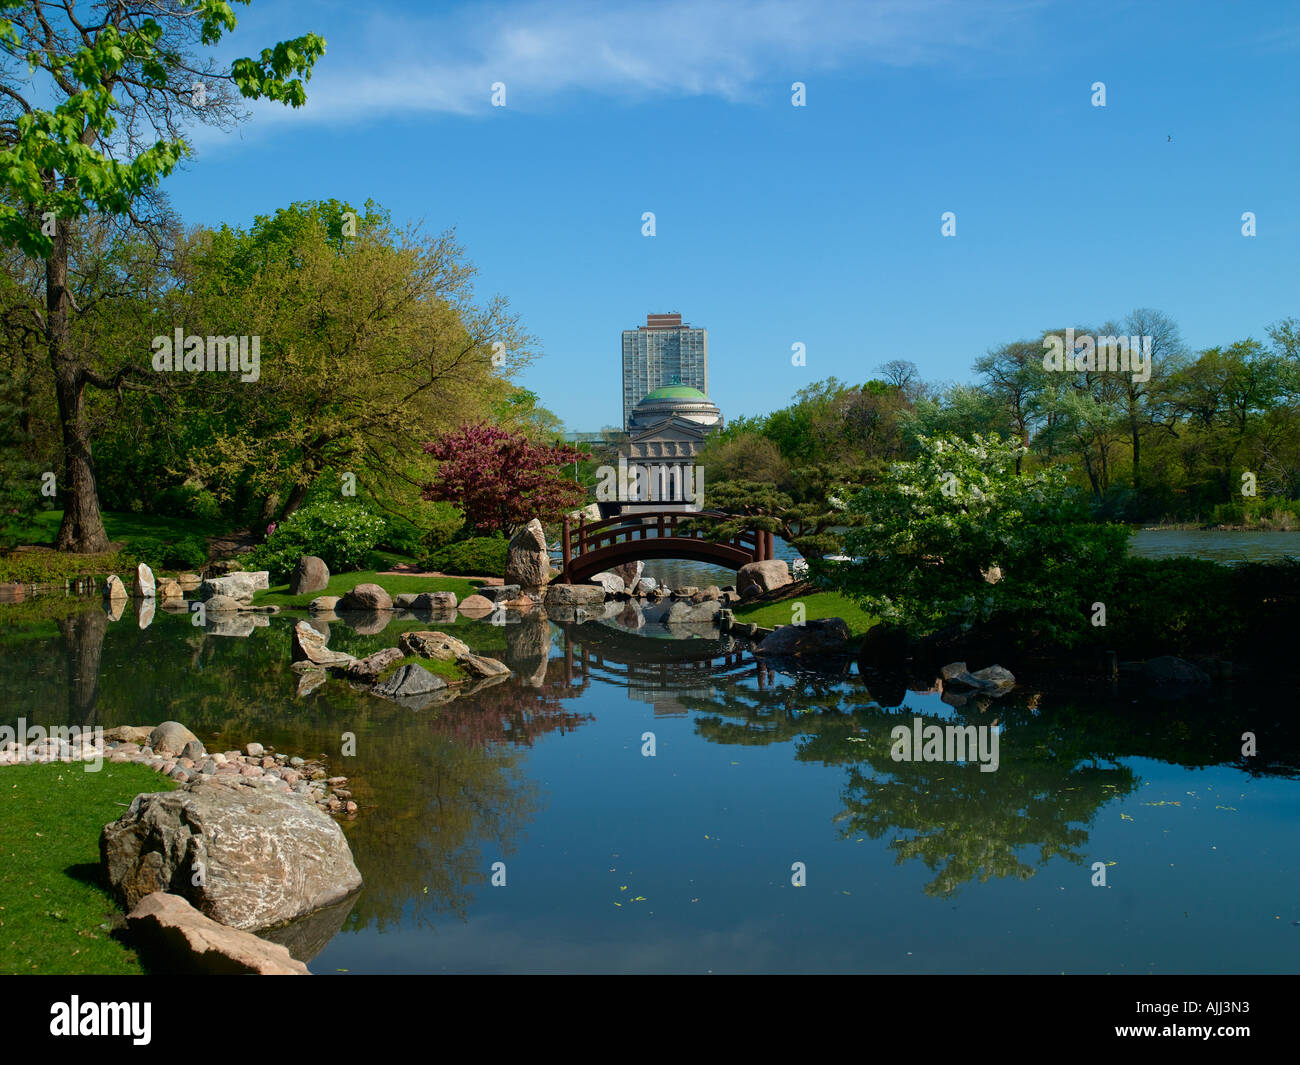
x=144, y=586
x=194, y=750
x=773, y=573
x=221, y=604
x=410, y=680
x=310, y=574
x=309, y=645
x=324, y=604
x=367, y=670
x=254, y=750
x=479, y=666
x=498, y=593
x=170, y=737
x=826, y=636
x=169, y=927
x=994, y=680
x=366, y=597
x=1169, y=677
x=114, y=589
x=245, y=857
x=611, y=582
x=168, y=589
x=528, y=563
x=237, y=586
x=406, y=600
x=433, y=645
x=573, y=595
x=435, y=602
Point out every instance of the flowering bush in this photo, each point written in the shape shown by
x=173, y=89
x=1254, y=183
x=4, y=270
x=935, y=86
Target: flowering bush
x=935, y=529
x=340, y=532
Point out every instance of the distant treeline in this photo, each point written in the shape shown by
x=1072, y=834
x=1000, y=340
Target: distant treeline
x=1211, y=436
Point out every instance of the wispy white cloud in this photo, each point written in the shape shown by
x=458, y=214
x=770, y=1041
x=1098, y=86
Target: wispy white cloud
x=544, y=51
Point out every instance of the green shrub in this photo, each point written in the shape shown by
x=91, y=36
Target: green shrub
x=340, y=532
x=183, y=553
x=480, y=556
x=53, y=567
x=932, y=529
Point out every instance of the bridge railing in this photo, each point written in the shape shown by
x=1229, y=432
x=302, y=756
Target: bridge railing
x=583, y=537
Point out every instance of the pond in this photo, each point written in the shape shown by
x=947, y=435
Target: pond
x=685, y=858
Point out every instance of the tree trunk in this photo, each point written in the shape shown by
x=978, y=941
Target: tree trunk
x=295, y=499
x=83, y=527
x=1137, y=454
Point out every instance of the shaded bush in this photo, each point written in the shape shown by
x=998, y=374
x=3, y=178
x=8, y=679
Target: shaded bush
x=340, y=532
x=479, y=556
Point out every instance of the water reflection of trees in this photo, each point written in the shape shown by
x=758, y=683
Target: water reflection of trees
x=1059, y=764
x=442, y=791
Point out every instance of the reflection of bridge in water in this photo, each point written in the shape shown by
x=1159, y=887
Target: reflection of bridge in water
x=655, y=670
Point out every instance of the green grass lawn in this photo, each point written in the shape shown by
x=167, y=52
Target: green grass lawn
x=817, y=606
x=123, y=527
x=448, y=671
x=52, y=904
x=278, y=595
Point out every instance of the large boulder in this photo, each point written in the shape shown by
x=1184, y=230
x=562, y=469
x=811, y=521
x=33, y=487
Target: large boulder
x=114, y=589
x=528, y=563
x=570, y=595
x=324, y=604
x=435, y=602
x=367, y=669
x=222, y=604
x=170, y=738
x=144, y=586
x=182, y=940
x=611, y=582
x=365, y=597
x=1168, y=677
x=629, y=573
x=770, y=574
x=408, y=682
x=246, y=857
x=238, y=586
x=498, y=593
x=308, y=645
x=475, y=606
x=433, y=645
x=683, y=612
x=480, y=666
x=310, y=574
x=823, y=637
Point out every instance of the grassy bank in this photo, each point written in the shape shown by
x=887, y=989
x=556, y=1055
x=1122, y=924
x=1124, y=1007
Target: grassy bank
x=816, y=606
x=52, y=905
x=278, y=595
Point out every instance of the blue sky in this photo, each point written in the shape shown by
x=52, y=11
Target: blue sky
x=818, y=224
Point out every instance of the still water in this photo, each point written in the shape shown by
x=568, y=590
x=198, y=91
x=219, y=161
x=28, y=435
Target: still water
x=684, y=861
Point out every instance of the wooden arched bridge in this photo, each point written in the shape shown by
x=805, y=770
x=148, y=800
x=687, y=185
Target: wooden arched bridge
x=588, y=548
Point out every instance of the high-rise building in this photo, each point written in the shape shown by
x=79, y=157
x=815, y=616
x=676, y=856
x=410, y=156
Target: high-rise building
x=662, y=352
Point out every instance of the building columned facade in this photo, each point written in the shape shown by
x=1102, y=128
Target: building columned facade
x=666, y=430
x=659, y=353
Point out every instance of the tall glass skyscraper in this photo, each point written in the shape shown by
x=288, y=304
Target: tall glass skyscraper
x=662, y=352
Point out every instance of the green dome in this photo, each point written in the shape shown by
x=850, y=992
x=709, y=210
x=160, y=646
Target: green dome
x=676, y=392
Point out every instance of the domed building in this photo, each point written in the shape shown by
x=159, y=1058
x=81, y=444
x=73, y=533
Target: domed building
x=665, y=432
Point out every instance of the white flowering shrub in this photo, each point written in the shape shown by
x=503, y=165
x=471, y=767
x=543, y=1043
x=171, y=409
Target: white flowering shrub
x=341, y=532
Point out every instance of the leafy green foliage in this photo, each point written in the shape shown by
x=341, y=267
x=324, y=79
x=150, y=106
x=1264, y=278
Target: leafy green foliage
x=934, y=529
x=186, y=553
x=479, y=556
x=340, y=532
